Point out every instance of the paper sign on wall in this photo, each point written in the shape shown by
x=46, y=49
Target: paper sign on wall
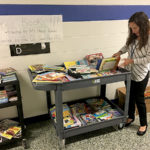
x=30, y=29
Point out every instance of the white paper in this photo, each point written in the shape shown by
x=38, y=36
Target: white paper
x=30, y=29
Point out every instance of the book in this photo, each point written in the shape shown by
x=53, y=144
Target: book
x=37, y=68
x=49, y=77
x=94, y=59
x=78, y=122
x=69, y=122
x=9, y=78
x=97, y=104
x=3, y=97
x=66, y=111
x=82, y=69
x=7, y=71
x=114, y=112
x=88, y=118
x=69, y=64
x=82, y=62
x=88, y=76
x=109, y=64
x=53, y=68
x=78, y=109
x=10, y=132
x=77, y=71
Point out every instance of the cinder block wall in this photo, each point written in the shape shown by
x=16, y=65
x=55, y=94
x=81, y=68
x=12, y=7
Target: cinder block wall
x=80, y=38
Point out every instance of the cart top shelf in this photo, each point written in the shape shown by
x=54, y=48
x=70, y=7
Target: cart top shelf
x=124, y=75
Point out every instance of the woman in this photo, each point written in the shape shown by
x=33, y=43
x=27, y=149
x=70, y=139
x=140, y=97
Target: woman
x=138, y=48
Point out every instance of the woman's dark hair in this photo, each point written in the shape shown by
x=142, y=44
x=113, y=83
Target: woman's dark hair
x=142, y=21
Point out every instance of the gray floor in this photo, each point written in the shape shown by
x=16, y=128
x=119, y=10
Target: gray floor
x=42, y=136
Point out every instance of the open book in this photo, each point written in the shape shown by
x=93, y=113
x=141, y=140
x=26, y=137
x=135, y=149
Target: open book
x=108, y=64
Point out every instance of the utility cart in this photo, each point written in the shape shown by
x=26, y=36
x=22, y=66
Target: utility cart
x=58, y=88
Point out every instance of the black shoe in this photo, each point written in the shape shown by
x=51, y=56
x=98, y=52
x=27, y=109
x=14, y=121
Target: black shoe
x=140, y=133
x=128, y=123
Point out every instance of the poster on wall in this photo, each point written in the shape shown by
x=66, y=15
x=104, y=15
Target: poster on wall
x=26, y=29
x=29, y=49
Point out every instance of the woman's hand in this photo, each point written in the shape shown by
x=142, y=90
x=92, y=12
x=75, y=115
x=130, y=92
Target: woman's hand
x=126, y=62
x=117, y=54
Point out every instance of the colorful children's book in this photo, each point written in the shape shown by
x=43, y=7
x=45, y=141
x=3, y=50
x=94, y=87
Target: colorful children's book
x=114, y=112
x=106, y=116
x=82, y=62
x=97, y=104
x=78, y=122
x=100, y=113
x=109, y=64
x=3, y=97
x=49, y=77
x=10, y=132
x=69, y=64
x=103, y=115
x=68, y=122
x=37, y=68
x=66, y=111
x=78, y=109
x=88, y=76
x=53, y=68
x=93, y=58
x=88, y=118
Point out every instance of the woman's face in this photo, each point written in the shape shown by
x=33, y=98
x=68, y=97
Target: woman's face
x=135, y=28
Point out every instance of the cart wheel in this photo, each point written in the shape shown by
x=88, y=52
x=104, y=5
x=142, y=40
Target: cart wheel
x=61, y=144
x=24, y=143
x=121, y=125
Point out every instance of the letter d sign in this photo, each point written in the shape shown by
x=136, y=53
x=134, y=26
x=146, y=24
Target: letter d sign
x=18, y=50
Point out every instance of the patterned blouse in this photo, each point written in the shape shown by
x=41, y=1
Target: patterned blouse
x=141, y=58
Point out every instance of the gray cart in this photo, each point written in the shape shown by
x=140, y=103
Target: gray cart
x=58, y=88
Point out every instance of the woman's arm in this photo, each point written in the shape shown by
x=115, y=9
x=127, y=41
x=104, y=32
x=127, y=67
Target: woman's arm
x=120, y=52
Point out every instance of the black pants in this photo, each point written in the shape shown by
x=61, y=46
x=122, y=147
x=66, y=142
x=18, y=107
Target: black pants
x=137, y=90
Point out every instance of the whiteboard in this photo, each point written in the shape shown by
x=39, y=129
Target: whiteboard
x=30, y=29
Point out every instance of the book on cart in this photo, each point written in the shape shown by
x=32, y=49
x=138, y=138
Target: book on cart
x=109, y=64
x=50, y=77
x=37, y=68
x=93, y=59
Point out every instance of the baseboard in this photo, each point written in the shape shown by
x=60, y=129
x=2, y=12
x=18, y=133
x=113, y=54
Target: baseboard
x=36, y=119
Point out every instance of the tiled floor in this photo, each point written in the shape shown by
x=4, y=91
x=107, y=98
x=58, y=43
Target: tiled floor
x=42, y=136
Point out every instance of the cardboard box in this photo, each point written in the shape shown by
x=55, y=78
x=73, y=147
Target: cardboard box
x=122, y=93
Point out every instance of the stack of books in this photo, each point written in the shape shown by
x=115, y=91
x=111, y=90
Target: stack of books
x=68, y=120
x=9, y=78
x=7, y=71
x=41, y=68
x=52, y=77
x=87, y=112
x=37, y=68
x=9, y=129
x=11, y=132
x=54, y=68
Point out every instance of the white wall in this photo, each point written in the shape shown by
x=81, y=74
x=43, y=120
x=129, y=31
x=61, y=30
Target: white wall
x=80, y=39
x=80, y=2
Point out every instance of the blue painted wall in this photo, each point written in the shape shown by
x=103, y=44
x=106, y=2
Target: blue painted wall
x=76, y=12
